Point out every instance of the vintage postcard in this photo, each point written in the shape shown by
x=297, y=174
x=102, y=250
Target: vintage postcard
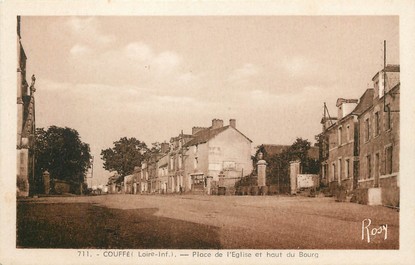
x=207, y=132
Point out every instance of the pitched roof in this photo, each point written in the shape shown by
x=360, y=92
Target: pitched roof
x=366, y=100
x=205, y=135
x=389, y=68
x=274, y=149
x=392, y=68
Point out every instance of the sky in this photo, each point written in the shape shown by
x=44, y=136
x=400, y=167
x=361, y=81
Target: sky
x=151, y=77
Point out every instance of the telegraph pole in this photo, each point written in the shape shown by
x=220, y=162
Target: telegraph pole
x=92, y=170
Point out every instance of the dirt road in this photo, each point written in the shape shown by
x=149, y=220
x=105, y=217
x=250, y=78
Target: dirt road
x=212, y=222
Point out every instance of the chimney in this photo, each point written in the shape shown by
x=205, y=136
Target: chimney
x=197, y=129
x=164, y=147
x=345, y=106
x=216, y=123
x=232, y=123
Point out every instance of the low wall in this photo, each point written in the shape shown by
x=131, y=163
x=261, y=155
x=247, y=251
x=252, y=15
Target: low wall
x=390, y=196
x=307, y=181
x=61, y=186
x=390, y=191
x=256, y=190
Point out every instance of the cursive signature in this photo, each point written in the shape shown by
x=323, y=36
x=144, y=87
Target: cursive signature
x=369, y=232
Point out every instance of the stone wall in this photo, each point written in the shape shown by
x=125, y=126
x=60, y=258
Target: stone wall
x=61, y=187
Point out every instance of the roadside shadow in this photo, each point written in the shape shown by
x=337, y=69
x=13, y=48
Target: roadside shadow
x=82, y=225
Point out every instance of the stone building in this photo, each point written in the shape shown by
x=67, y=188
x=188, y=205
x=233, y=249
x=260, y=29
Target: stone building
x=25, y=123
x=175, y=161
x=163, y=174
x=340, y=165
x=379, y=129
x=150, y=171
x=216, y=156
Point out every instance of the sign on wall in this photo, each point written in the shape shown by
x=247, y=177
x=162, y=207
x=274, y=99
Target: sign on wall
x=229, y=165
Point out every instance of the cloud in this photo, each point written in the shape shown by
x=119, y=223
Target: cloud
x=127, y=98
x=88, y=33
x=247, y=71
x=164, y=62
x=297, y=65
x=167, y=61
x=79, y=49
x=138, y=51
x=188, y=77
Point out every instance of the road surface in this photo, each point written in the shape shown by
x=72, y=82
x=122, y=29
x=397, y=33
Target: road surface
x=204, y=222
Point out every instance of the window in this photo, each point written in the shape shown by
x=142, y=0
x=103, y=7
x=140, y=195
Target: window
x=340, y=169
x=347, y=168
x=377, y=123
x=340, y=136
x=388, y=119
x=195, y=162
x=367, y=130
x=369, y=167
x=171, y=163
x=388, y=160
x=348, y=133
x=333, y=166
x=180, y=161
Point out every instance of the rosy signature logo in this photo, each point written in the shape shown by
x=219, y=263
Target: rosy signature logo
x=370, y=233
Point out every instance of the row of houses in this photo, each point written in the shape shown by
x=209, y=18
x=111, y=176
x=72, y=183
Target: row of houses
x=204, y=161
x=360, y=147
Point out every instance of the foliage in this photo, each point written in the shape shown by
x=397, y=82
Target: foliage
x=61, y=152
x=279, y=164
x=155, y=148
x=126, y=154
x=249, y=180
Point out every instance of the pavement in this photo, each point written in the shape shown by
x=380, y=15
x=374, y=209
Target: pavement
x=204, y=222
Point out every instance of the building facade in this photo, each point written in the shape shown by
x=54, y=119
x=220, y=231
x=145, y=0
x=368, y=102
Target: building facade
x=210, y=157
x=360, y=147
x=217, y=157
x=340, y=166
x=25, y=124
x=379, y=142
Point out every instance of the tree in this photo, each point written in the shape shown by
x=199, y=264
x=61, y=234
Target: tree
x=61, y=152
x=155, y=148
x=126, y=154
x=279, y=164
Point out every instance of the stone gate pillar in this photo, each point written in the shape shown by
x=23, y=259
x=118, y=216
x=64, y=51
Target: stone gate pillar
x=208, y=184
x=46, y=181
x=294, y=171
x=262, y=174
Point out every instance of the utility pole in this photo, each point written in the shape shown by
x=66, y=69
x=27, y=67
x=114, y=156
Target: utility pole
x=92, y=170
x=384, y=76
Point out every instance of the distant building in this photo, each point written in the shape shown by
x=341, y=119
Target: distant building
x=163, y=174
x=273, y=149
x=217, y=156
x=379, y=128
x=150, y=172
x=25, y=124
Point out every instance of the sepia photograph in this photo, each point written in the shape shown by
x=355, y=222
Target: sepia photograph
x=223, y=138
